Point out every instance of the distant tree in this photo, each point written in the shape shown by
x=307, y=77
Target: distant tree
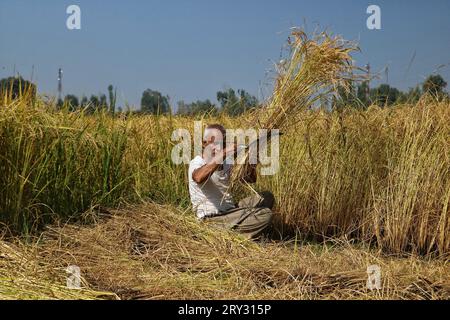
x=412, y=96
x=16, y=86
x=72, y=101
x=91, y=104
x=247, y=101
x=347, y=97
x=233, y=104
x=154, y=102
x=94, y=101
x=384, y=95
x=360, y=96
x=201, y=107
x=228, y=100
x=84, y=102
x=112, y=99
x=196, y=108
x=363, y=94
x=103, y=102
x=182, y=107
x=435, y=85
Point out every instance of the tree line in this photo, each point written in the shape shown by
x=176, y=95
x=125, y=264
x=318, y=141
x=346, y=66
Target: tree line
x=230, y=101
x=361, y=96
x=93, y=103
x=152, y=101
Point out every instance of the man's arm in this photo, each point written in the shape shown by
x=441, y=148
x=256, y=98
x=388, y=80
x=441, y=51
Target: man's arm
x=202, y=174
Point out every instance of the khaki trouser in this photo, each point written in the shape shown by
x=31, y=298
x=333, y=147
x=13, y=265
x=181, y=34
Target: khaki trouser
x=252, y=216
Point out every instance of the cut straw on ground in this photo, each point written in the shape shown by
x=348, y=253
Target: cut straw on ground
x=151, y=251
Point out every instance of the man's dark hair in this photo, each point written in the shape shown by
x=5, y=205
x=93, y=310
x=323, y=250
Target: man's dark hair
x=219, y=127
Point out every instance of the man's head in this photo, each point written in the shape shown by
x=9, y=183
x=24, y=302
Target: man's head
x=213, y=140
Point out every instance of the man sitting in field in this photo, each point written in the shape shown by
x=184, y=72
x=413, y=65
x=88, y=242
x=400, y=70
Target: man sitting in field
x=209, y=178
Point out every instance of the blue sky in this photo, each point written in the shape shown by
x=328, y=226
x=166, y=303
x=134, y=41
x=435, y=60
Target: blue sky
x=191, y=49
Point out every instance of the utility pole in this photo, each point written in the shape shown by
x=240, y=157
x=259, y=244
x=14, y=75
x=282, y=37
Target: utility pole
x=387, y=74
x=368, y=82
x=60, y=72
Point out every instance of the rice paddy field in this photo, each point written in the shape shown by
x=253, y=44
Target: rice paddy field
x=356, y=187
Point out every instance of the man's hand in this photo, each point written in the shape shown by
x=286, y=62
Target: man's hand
x=202, y=174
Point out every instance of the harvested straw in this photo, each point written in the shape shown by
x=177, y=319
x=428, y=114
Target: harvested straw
x=26, y=277
x=314, y=69
x=151, y=251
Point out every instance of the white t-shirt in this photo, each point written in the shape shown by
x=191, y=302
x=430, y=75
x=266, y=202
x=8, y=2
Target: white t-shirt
x=211, y=197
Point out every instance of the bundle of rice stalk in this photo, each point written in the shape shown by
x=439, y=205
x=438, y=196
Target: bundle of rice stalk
x=314, y=69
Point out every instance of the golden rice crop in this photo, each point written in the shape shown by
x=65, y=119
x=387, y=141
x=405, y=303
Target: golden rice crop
x=314, y=68
x=378, y=175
